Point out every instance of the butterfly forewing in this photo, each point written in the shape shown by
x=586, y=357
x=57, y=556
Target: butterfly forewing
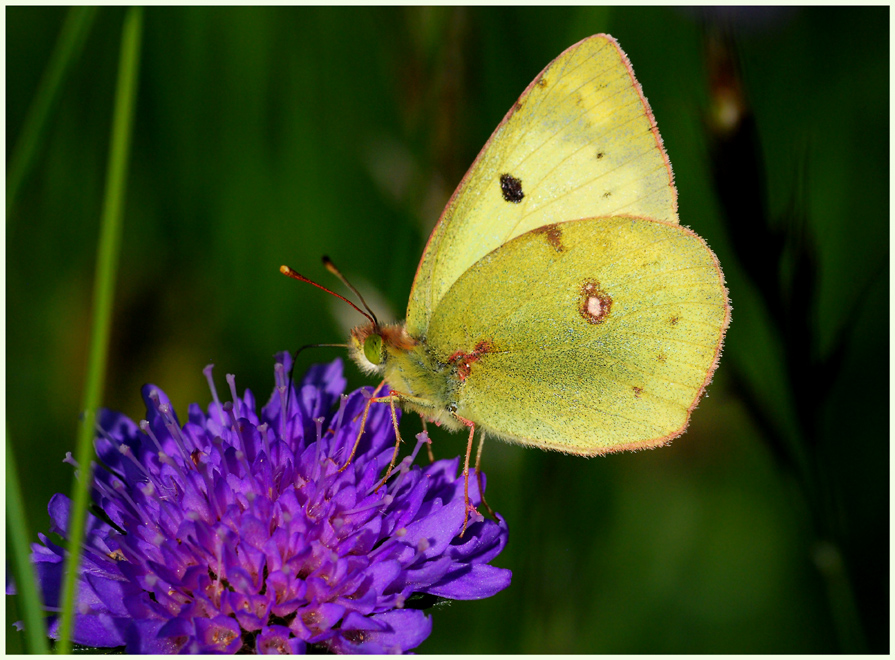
x=580, y=142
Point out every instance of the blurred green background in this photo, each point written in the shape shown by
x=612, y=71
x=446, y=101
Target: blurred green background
x=277, y=135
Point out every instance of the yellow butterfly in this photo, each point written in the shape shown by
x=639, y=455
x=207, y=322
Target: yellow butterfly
x=559, y=303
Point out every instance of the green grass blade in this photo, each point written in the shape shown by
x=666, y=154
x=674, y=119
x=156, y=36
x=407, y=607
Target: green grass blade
x=18, y=535
x=65, y=54
x=103, y=294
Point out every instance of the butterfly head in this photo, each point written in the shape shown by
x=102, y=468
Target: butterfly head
x=371, y=344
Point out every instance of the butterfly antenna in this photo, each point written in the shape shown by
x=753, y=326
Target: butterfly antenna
x=331, y=267
x=289, y=272
x=301, y=278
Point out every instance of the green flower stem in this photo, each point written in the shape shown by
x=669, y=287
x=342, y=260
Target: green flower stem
x=17, y=533
x=103, y=294
x=65, y=54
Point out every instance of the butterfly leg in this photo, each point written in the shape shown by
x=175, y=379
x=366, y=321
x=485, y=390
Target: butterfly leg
x=469, y=507
x=400, y=396
x=391, y=398
x=391, y=402
x=363, y=423
x=478, y=473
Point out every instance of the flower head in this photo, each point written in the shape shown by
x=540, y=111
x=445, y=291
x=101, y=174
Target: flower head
x=237, y=532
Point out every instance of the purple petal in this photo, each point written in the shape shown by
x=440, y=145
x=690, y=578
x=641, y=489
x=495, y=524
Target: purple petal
x=100, y=630
x=395, y=631
x=472, y=583
x=143, y=637
x=112, y=593
x=439, y=526
x=218, y=635
x=482, y=542
x=278, y=640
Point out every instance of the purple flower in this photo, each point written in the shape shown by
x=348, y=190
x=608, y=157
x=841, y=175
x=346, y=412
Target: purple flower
x=237, y=532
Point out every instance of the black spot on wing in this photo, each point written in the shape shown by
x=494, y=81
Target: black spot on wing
x=511, y=188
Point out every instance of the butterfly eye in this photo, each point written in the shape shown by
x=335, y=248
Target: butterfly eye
x=373, y=349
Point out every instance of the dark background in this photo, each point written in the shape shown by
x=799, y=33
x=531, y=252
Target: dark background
x=269, y=136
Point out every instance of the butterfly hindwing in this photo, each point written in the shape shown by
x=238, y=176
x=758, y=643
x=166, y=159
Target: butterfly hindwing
x=590, y=336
